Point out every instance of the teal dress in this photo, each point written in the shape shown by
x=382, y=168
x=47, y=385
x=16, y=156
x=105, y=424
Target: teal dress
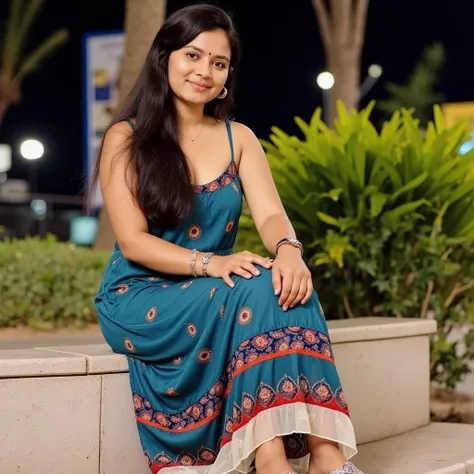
x=217, y=371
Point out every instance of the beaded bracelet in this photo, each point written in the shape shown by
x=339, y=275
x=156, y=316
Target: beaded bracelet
x=192, y=263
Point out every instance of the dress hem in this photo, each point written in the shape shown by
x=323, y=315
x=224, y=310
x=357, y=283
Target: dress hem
x=237, y=456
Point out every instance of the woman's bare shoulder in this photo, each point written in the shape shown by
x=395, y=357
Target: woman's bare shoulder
x=116, y=141
x=123, y=128
x=244, y=137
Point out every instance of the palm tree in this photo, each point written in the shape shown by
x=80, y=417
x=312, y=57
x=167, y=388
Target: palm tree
x=143, y=18
x=14, y=65
x=419, y=90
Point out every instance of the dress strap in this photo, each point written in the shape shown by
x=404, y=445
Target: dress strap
x=229, y=135
x=131, y=124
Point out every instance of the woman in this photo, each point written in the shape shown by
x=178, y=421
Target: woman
x=231, y=366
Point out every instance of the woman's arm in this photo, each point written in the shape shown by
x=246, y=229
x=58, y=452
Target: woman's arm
x=128, y=221
x=262, y=197
x=131, y=230
x=290, y=276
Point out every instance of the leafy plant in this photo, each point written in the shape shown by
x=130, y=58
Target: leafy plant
x=45, y=284
x=386, y=218
x=14, y=65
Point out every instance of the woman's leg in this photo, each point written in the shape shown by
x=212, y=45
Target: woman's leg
x=325, y=458
x=270, y=458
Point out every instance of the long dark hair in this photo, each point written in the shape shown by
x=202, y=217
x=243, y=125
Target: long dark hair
x=161, y=178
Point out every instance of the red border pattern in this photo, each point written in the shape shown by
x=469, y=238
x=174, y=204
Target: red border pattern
x=223, y=180
x=263, y=347
x=286, y=392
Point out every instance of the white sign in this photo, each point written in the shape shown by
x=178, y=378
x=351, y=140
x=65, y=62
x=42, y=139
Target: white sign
x=103, y=54
x=5, y=157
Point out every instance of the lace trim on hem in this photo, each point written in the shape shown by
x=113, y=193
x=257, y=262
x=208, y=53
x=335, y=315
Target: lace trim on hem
x=237, y=456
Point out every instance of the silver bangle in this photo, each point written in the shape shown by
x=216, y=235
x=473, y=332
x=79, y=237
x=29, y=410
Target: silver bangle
x=205, y=261
x=192, y=263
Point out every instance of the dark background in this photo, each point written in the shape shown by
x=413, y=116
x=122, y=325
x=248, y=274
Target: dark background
x=282, y=54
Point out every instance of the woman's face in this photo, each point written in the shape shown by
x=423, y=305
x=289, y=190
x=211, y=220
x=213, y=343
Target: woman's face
x=198, y=72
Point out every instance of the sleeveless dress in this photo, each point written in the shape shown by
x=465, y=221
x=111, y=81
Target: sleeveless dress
x=217, y=371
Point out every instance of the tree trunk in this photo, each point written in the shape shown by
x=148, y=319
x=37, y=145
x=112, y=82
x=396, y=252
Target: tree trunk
x=342, y=30
x=143, y=18
x=345, y=67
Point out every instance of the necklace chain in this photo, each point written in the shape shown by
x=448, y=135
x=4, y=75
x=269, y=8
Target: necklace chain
x=196, y=137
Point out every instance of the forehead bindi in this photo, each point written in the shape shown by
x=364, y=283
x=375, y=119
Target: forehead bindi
x=209, y=53
x=212, y=43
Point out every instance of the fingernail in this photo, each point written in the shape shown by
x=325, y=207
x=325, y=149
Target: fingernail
x=257, y=273
x=285, y=308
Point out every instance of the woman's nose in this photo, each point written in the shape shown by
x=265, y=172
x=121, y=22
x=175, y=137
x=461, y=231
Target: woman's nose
x=203, y=69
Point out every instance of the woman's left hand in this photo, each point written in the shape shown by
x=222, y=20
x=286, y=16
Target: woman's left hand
x=291, y=278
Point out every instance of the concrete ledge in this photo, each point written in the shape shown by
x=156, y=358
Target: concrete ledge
x=440, y=448
x=50, y=425
x=383, y=364
x=99, y=358
x=376, y=329
x=454, y=469
x=37, y=363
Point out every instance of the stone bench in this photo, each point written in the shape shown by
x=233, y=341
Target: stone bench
x=439, y=448
x=69, y=409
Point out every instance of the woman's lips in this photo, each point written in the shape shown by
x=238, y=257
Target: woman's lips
x=199, y=87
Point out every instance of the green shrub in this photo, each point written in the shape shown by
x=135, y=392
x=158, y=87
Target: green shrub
x=45, y=284
x=387, y=221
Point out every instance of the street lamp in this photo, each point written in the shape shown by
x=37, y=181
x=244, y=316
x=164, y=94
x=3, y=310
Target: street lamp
x=373, y=74
x=325, y=81
x=375, y=71
x=32, y=150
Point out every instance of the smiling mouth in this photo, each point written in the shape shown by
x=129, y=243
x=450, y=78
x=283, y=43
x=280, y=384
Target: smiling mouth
x=199, y=87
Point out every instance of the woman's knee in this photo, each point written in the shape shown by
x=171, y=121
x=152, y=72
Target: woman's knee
x=258, y=285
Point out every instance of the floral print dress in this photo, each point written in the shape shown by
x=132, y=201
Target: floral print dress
x=217, y=371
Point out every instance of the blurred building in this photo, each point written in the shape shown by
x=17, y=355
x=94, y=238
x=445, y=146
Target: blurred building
x=25, y=214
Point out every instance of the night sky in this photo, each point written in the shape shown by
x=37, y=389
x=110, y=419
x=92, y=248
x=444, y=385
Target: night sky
x=282, y=53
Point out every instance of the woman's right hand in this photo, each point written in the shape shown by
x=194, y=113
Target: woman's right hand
x=241, y=263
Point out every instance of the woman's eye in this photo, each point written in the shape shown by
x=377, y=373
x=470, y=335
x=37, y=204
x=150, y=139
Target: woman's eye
x=192, y=55
x=220, y=65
